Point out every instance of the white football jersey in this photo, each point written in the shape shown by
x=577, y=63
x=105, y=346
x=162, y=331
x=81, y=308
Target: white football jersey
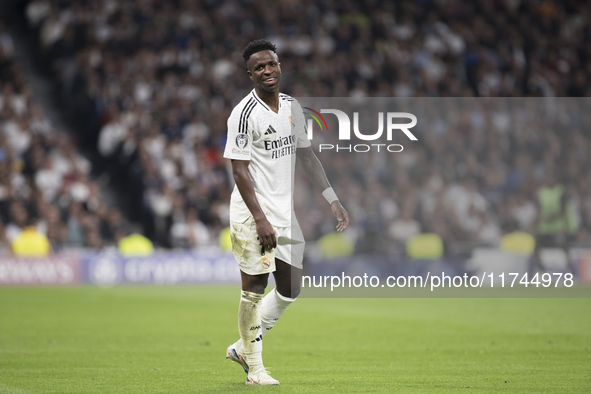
x=269, y=140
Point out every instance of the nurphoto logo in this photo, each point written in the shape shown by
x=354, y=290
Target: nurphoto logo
x=344, y=129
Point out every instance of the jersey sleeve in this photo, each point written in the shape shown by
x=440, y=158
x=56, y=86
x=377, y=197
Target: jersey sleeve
x=300, y=121
x=239, y=141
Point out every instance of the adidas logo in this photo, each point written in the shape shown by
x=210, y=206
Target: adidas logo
x=258, y=339
x=270, y=130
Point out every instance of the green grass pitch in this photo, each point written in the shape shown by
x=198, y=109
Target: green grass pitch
x=149, y=339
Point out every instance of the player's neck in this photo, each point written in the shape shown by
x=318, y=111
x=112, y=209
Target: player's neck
x=269, y=98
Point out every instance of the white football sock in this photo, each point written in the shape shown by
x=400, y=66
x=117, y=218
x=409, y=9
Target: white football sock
x=249, y=326
x=272, y=307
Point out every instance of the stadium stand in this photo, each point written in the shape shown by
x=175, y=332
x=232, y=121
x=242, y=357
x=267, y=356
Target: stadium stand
x=46, y=190
x=153, y=82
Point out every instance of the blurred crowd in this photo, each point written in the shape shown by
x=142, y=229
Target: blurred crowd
x=44, y=181
x=153, y=83
x=474, y=175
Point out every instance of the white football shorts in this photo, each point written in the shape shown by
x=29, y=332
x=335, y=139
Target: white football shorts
x=247, y=249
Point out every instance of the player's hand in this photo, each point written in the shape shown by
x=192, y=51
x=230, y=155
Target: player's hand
x=341, y=214
x=266, y=234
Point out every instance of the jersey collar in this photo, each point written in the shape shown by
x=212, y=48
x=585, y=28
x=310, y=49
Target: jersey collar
x=261, y=102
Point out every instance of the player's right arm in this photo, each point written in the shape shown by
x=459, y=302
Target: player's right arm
x=264, y=228
x=239, y=146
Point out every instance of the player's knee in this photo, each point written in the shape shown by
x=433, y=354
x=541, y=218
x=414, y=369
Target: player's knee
x=257, y=288
x=289, y=291
x=255, y=283
x=295, y=291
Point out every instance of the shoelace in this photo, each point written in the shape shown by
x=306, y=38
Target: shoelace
x=261, y=371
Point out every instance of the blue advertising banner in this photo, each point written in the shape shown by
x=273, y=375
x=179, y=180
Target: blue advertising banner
x=110, y=268
x=61, y=269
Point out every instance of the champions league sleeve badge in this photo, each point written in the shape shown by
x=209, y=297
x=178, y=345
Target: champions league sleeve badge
x=241, y=140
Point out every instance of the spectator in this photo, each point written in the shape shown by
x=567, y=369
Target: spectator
x=190, y=232
x=405, y=227
x=30, y=242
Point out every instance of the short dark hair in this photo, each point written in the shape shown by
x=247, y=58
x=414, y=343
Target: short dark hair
x=257, y=46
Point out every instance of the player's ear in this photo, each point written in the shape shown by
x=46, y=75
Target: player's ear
x=248, y=72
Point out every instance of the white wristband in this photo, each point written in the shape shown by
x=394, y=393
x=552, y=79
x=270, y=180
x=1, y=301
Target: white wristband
x=330, y=195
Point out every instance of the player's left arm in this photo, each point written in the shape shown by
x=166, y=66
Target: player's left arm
x=313, y=168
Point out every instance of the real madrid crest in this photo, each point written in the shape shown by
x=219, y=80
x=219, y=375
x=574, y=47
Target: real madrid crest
x=241, y=140
x=292, y=122
x=265, y=261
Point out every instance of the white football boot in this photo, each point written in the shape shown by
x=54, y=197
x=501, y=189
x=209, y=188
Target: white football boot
x=261, y=377
x=234, y=353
